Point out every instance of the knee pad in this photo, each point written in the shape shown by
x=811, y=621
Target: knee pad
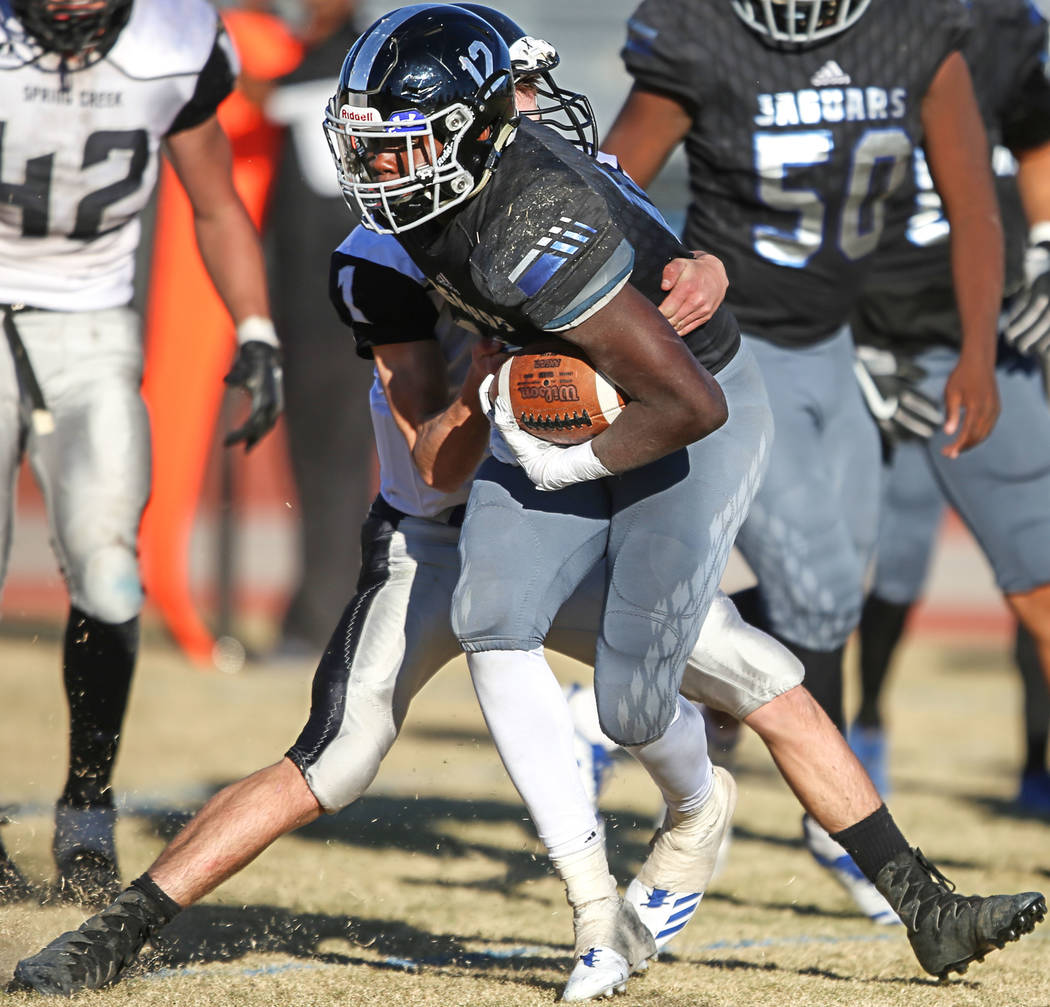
x=735, y=667
x=108, y=585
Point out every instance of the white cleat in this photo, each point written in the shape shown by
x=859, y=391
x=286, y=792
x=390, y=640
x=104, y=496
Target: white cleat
x=600, y=972
x=839, y=864
x=611, y=944
x=681, y=862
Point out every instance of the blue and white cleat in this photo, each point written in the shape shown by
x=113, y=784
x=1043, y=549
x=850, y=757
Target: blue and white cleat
x=839, y=864
x=681, y=862
x=664, y=913
x=611, y=944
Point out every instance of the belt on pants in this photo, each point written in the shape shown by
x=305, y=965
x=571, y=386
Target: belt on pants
x=452, y=516
x=32, y=406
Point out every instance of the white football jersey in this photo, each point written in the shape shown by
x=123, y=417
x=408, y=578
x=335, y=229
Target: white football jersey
x=399, y=480
x=79, y=150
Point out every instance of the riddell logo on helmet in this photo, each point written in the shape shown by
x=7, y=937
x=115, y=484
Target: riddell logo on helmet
x=350, y=114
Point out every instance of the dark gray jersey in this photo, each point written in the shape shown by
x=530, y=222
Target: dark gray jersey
x=908, y=300
x=791, y=155
x=551, y=238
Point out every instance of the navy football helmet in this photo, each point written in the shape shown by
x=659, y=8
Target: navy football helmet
x=799, y=22
x=433, y=85
x=85, y=28
x=532, y=60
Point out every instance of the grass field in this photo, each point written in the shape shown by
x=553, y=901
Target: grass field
x=432, y=889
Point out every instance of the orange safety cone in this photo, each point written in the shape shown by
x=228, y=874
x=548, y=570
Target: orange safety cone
x=189, y=337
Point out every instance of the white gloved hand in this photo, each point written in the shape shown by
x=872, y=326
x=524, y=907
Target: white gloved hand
x=549, y=466
x=889, y=384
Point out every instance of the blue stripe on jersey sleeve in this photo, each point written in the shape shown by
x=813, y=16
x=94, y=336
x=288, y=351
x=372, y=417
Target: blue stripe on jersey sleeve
x=533, y=279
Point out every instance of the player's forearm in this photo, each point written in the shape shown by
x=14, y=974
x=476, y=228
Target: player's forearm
x=449, y=446
x=231, y=252
x=648, y=430
x=977, y=270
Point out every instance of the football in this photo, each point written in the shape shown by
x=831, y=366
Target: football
x=556, y=394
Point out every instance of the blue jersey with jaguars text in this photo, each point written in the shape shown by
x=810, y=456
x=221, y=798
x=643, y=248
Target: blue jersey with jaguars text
x=792, y=151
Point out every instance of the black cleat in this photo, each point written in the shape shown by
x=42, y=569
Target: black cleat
x=87, y=878
x=93, y=956
x=948, y=931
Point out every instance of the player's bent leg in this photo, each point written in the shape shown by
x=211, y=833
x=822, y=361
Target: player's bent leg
x=829, y=782
x=393, y=636
x=232, y=828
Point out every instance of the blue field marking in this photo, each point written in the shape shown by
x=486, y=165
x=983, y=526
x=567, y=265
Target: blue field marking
x=503, y=954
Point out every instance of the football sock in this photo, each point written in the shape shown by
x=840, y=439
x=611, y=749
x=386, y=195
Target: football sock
x=1036, y=701
x=164, y=907
x=873, y=841
x=678, y=762
x=586, y=875
x=528, y=718
x=823, y=677
x=99, y=659
x=881, y=627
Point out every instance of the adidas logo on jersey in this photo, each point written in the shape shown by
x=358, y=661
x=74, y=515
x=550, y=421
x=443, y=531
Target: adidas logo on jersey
x=829, y=75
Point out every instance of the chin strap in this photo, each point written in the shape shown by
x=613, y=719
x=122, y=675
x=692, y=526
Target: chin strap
x=504, y=138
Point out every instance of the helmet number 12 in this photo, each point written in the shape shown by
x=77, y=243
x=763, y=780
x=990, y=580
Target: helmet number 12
x=479, y=55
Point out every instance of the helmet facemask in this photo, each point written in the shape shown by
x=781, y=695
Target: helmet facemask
x=85, y=29
x=799, y=22
x=435, y=154
x=569, y=112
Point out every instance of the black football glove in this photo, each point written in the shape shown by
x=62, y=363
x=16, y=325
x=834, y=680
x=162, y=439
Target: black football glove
x=1028, y=320
x=889, y=384
x=257, y=369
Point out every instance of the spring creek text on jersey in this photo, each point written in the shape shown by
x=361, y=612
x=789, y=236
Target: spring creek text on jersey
x=85, y=99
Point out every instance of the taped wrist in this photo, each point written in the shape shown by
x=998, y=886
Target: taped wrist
x=256, y=328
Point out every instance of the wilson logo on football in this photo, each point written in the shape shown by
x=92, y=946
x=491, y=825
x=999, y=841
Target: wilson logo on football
x=550, y=393
x=350, y=114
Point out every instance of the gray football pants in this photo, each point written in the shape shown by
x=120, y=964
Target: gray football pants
x=811, y=531
x=395, y=635
x=664, y=531
x=1000, y=488
x=94, y=468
